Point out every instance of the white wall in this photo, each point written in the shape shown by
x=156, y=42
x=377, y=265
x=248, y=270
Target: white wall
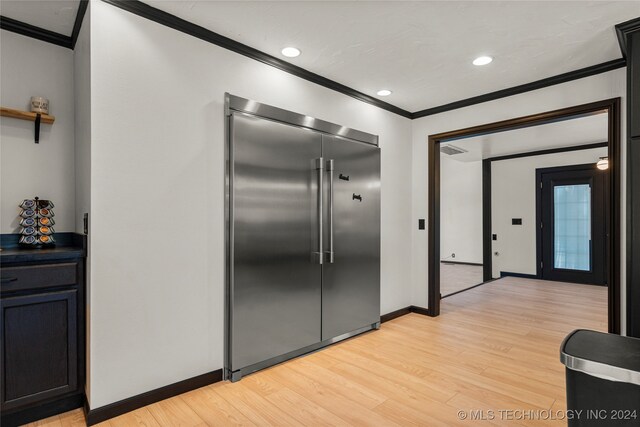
x=82, y=136
x=157, y=181
x=513, y=195
x=29, y=68
x=461, y=210
x=82, y=130
x=602, y=86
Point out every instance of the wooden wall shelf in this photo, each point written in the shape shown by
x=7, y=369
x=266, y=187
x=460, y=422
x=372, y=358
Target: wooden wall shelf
x=25, y=115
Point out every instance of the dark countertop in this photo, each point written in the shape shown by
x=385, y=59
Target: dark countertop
x=19, y=255
x=68, y=246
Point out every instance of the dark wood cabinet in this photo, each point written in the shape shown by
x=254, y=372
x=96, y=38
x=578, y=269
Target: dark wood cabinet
x=39, y=334
x=42, y=333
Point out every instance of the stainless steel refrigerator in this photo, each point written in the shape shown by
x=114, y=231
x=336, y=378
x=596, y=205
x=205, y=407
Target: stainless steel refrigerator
x=303, y=235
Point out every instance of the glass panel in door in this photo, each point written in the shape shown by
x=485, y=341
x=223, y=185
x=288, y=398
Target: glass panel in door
x=572, y=227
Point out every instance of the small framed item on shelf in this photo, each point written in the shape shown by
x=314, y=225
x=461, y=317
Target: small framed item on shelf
x=37, y=223
x=39, y=105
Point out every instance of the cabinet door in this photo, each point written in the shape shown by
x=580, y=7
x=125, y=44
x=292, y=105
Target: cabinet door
x=39, y=338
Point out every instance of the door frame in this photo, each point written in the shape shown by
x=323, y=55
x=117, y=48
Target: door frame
x=612, y=108
x=486, y=203
x=539, y=230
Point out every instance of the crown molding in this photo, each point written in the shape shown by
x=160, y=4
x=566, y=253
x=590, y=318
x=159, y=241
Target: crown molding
x=144, y=10
x=527, y=87
x=623, y=30
x=77, y=25
x=29, y=30
x=156, y=15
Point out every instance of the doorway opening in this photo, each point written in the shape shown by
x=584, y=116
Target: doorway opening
x=609, y=189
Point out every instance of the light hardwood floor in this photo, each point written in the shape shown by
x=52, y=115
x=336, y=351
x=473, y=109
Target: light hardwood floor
x=495, y=347
x=457, y=277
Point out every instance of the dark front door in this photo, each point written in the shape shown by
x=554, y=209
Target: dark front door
x=572, y=220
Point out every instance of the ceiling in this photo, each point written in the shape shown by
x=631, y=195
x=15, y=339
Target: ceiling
x=578, y=131
x=53, y=15
x=421, y=50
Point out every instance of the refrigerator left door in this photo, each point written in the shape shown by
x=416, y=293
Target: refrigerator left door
x=275, y=282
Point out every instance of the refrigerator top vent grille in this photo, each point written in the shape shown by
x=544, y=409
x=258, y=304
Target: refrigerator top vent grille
x=451, y=150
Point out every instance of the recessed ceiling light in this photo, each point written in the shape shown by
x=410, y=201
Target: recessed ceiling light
x=482, y=60
x=291, y=52
x=384, y=92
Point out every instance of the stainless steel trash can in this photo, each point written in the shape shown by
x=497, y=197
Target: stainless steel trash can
x=603, y=379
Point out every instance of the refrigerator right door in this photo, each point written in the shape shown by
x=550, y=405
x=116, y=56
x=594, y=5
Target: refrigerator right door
x=351, y=280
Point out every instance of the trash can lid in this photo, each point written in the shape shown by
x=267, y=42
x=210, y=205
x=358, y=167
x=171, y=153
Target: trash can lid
x=607, y=356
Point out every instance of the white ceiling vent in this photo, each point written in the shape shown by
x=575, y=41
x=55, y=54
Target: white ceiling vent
x=451, y=150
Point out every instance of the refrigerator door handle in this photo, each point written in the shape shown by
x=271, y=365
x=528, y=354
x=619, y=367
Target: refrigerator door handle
x=330, y=254
x=320, y=165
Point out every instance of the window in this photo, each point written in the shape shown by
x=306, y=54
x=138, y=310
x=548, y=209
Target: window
x=572, y=227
